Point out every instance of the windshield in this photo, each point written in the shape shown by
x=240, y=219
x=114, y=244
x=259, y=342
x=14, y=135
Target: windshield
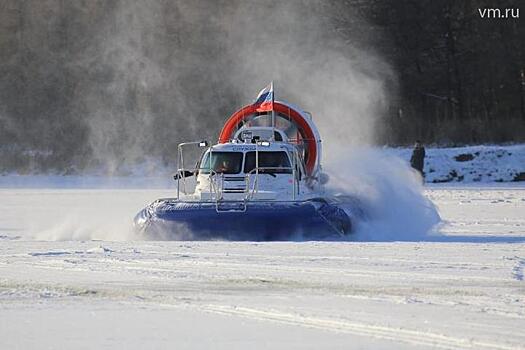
x=275, y=160
x=222, y=162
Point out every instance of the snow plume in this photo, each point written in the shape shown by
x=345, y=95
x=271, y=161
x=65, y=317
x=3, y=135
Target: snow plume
x=166, y=72
x=299, y=45
x=159, y=73
x=86, y=214
x=75, y=227
x=118, y=101
x=388, y=192
x=120, y=83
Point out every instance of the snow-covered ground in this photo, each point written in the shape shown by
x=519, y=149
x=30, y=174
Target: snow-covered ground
x=483, y=163
x=459, y=288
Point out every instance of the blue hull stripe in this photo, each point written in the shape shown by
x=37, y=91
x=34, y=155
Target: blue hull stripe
x=260, y=221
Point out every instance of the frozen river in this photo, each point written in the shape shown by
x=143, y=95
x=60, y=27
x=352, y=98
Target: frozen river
x=70, y=277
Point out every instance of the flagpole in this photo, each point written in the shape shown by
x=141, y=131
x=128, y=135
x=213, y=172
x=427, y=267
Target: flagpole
x=273, y=112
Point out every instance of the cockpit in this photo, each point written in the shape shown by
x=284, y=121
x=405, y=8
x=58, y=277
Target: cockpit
x=273, y=162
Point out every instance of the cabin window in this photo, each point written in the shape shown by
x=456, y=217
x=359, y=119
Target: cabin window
x=222, y=162
x=278, y=162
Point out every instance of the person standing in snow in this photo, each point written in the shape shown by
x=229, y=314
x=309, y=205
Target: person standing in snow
x=417, y=161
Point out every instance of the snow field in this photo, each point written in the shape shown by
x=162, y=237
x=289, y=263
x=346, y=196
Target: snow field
x=458, y=288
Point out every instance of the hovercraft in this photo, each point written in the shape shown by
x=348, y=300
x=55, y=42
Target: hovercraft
x=262, y=181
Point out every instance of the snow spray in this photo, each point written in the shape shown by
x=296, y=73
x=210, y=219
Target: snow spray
x=389, y=195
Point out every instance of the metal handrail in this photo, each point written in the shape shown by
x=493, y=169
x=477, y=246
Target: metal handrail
x=180, y=159
x=213, y=188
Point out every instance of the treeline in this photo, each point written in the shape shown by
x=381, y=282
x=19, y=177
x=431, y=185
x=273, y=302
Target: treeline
x=85, y=84
x=461, y=72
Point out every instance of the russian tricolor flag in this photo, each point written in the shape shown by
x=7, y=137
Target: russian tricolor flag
x=264, y=100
